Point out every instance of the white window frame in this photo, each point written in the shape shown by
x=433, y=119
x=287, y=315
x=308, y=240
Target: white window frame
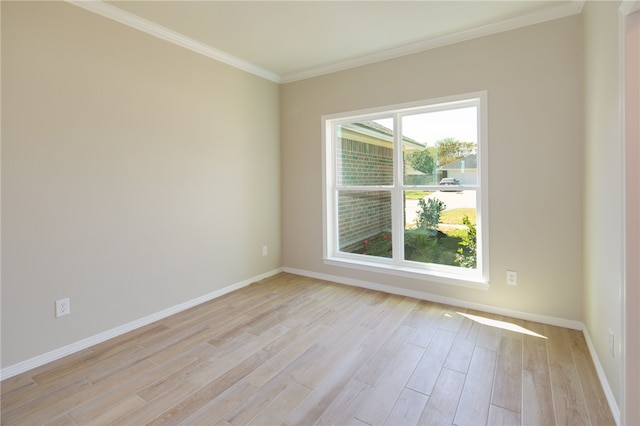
x=475, y=278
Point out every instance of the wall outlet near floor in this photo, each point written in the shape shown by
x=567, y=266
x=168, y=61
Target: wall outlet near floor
x=612, y=343
x=63, y=307
x=265, y=250
x=512, y=278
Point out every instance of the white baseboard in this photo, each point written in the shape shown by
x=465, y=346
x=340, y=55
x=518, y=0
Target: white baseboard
x=39, y=360
x=544, y=319
x=55, y=354
x=560, y=322
x=613, y=405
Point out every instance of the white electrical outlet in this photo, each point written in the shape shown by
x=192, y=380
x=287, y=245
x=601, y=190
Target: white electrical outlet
x=512, y=278
x=63, y=307
x=265, y=250
x=612, y=347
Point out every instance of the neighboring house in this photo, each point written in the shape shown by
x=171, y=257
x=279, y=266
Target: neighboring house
x=416, y=177
x=464, y=169
x=367, y=159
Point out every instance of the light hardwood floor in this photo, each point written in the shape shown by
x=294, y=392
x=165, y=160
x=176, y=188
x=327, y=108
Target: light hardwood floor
x=299, y=351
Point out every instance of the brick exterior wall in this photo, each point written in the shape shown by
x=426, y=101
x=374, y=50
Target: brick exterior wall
x=364, y=164
x=363, y=214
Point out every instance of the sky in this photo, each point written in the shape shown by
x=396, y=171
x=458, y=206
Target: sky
x=430, y=127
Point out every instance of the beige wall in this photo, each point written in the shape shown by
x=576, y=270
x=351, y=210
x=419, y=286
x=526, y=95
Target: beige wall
x=136, y=175
x=603, y=248
x=533, y=77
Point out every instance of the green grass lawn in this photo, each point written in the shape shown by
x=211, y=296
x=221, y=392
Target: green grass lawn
x=455, y=232
x=454, y=216
x=418, y=246
x=415, y=195
x=441, y=250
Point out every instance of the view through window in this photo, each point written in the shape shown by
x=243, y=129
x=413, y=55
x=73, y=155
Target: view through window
x=404, y=188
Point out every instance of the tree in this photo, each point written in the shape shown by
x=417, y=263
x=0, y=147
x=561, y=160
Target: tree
x=422, y=161
x=451, y=149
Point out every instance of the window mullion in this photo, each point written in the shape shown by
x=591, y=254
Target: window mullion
x=398, y=193
x=332, y=230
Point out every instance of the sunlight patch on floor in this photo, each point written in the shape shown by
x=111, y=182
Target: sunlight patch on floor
x=501, y=324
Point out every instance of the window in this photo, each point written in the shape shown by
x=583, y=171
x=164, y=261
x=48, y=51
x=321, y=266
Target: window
x=405, y=189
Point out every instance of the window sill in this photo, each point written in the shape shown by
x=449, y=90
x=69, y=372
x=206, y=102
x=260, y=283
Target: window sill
x=471, y=280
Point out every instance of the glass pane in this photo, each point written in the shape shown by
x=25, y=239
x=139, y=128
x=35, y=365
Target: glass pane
x=440, y=227
x=365, y=153
x=364, y=222
x=441, y=147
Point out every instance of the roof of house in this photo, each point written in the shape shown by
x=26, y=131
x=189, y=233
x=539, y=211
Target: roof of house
x=375, y=127
x=470, y=162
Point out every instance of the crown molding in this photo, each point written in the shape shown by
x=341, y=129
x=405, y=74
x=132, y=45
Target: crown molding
x=134, y=21
x=627, y=7
x=573, y=8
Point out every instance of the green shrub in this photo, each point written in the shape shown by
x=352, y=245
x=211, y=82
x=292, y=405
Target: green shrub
x=377, y=245
x=429, y=215
x=466, y=256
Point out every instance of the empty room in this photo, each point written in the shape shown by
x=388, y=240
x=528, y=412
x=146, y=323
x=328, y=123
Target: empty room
x=310, y=212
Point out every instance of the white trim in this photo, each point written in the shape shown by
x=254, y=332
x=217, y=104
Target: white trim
x=37, y=361
x=482, y=213
x=573, y=8
x=627, y=7
x=544, y=319
x=397, y=264
x=615, y=410
x=134, y=21
x=622, y=222
x=415, y=273
x=55, y=354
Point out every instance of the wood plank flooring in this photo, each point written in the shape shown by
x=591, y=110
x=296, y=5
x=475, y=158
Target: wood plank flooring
x=291, y=350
